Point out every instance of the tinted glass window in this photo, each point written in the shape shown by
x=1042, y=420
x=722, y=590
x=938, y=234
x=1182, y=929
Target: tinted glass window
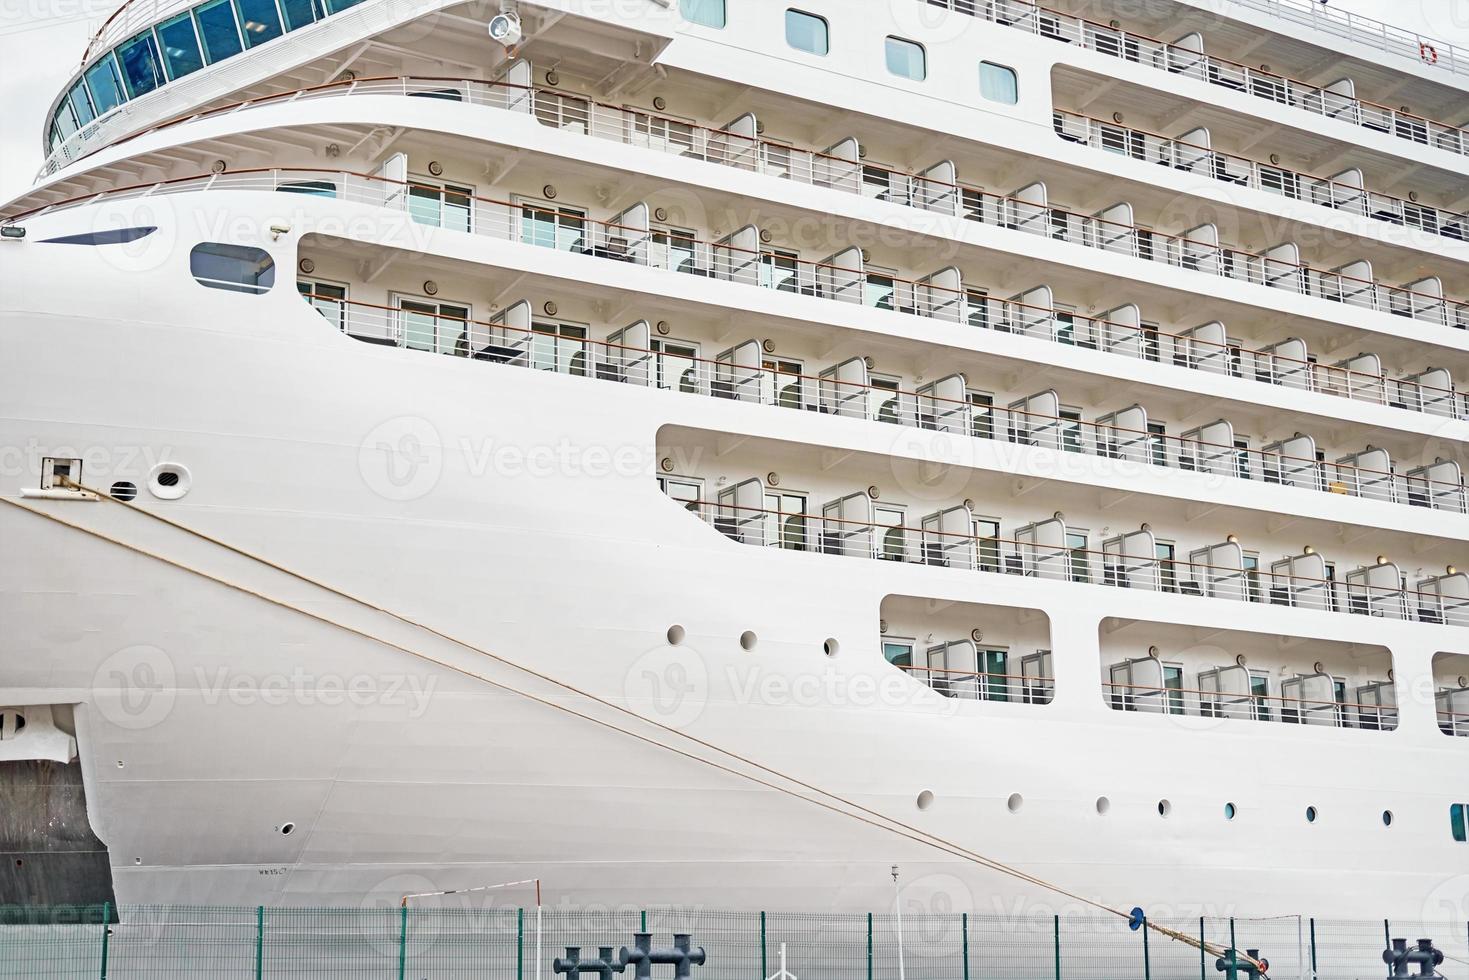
x=334, y=6
x=240, y=268
x=64, y=121
x=81, y=104
x=709, y=13
x=112, y=236
x=180, y=46
x=140, y=69
x=807, y=32
x=906, y=58
x=997, y=83
x=217, y=30
x=1457, y=823
x=259, y=21
x=298, y=13
x=104, y=84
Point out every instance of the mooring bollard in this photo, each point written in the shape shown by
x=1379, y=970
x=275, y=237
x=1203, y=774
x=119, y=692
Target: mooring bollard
x=644, y=957
x=1399, y=957
x=574, y=966
x=1234, y=966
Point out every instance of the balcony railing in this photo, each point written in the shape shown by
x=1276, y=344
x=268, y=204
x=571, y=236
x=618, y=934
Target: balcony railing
x=1366, y=30
x=979, y=685
x=842, y=390
x=1193, y=63
x=1241, y=171
x=1195, y=349
x=934, y=191
x=1250, y=707
x=1060, y=562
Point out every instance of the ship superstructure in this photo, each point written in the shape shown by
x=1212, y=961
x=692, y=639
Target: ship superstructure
x=1041, y=428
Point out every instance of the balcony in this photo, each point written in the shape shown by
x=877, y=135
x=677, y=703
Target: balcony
x=1451, y=693
x=1186, y=58
x=846, y=390
x=848, y=526
x=935, y=190
x=1191, y=153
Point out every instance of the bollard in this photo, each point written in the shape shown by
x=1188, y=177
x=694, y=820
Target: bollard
x=573, y=965
x=644, y=957
x=1399, y=957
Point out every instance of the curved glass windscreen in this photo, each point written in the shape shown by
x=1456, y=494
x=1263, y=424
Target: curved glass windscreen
x=183, y=44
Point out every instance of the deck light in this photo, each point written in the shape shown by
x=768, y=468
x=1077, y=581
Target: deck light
x=13, y=232
x=505, y=29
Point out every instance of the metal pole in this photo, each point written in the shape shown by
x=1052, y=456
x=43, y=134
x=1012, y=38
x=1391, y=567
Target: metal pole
x=964, y=930
x=259, y=941
x=1056, y=927
x=519, y=944
x=898, y=904
x=1387, y=934
x=869, y=946
x=764, y=968
x=106, y=935
x=402, y=940
x=1203, y=970
x=1313, y=947
x=1147, y=960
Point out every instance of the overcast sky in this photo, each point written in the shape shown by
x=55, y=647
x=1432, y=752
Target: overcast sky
x=41, y=42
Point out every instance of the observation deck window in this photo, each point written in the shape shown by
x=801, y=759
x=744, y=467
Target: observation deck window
x=105, y=84
x=180, y=44
x=81, y=103
x=808, y=32
x=237, y=268
x=705, y=13
x=906, y=59
x=219, y=33
x=998, y=83
x=141, y=68
x=260, y=21
x=298, y=13
x=337, y=6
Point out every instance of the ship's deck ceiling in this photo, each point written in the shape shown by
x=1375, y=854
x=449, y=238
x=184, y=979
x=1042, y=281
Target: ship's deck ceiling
x=1258, y=648
x=1293, y=56
x=1179, y=405
x=1164, y=112
x=906, y=481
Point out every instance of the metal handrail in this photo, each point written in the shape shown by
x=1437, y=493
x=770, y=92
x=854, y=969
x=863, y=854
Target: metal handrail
x=1150, y=147
x=1115, y=692
x=992, y=423
x=914, y=190
x=1070, y=568
x=1009, y=316
x=1281, y=89
x=1371, y=32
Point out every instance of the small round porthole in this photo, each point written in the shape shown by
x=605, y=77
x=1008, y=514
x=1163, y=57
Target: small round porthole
x=1015, y=802
x=925, y=799
x=675, y=635
x=169, y=481
x=1229, y=811
x=124, y=491
x=1164, y=808
x=1310, y=814
x=287, y=828
x=1103, y=805
x=830, y=647
x=748, y=639
x=1387, y=818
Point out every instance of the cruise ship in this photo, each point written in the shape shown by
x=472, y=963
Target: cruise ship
x=723, y=452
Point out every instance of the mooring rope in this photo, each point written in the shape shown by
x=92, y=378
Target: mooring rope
x=842, y=805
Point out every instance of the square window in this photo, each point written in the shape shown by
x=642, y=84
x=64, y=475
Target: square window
x=907, y=59
x=105, y=84
x=705, y=13
x=998, y=83
x=807, y=32
x=139, y=59
x=180, y=45
x=217, y=30
x=260, y=21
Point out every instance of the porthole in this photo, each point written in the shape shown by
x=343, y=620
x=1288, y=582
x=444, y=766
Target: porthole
x=1310, y=814
x=1164, y=808
x=1015, y=802
x=925, y=799
x=1229, y=811
x=169, y=481
x=287, y=828
x=748, y=639
x=830, y=647
x=124, y=491
x=1387, y=818
x=675, y=635
x=1103, y=805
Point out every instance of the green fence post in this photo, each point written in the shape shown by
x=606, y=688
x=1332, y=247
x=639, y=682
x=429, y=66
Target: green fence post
x=1233, y=949
x=1313, y=948
x=869, y=946
x=259, y=941
x=642, y=926
x=764, y=971
x=403, y=941
x=1203, y=969
x=520, y=943
x=106, y=934
x=1056, y=929
x=1147, y=960
x=1387, y=934
x=964, y=930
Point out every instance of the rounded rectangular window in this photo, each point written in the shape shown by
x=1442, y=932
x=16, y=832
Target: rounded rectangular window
x=705, y=13
x=807, y=32
x=238, y=268
x=907, y=59
x=998, y=83
x=105, y=84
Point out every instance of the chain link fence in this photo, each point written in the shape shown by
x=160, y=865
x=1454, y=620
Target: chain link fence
x=500, y=943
